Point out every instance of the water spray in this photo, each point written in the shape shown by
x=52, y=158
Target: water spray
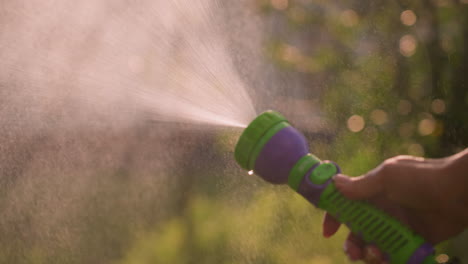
x=279, y=154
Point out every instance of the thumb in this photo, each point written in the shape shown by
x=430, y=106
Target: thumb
x=361, y=187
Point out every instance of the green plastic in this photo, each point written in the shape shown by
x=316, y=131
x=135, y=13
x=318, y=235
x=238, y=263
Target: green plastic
x=372, y=224
x=263, y=140
x=256, y=135
x=300, y=169
x=323, y=173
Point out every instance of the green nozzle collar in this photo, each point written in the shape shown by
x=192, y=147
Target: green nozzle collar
x=256, y=135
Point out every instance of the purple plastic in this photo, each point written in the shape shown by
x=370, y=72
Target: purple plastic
x=421, y=253
x=278, y=157
x=280, y=154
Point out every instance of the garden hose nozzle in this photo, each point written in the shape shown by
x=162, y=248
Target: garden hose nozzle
x=279, y=154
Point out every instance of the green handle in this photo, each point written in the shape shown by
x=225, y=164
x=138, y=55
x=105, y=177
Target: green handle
x=373, y=225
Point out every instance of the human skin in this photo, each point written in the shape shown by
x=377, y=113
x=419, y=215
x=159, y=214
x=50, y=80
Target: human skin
x=429, y=195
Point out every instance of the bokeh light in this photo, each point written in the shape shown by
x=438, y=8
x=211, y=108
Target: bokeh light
x=406, y=130
x=280, y=4
x=333, y=68
x=404, y=107
x=442, y=3
x=416, y=150
x=426, y=127
x=356, y=123
x=379, y=117
x=438, y=106
x=297, y=15
x=408, y=45
x=446, y=42
x=290, y=54
x=442, y=258
x=349, y=18
x=408, y=17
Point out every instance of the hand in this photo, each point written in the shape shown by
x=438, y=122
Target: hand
x=429, y=195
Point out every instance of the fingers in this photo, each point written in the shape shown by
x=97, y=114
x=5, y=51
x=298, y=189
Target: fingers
x=356, y=249
x=330, y=225
x=353, y=247
x=361, y=187
x=409, y=181
x=372, y=255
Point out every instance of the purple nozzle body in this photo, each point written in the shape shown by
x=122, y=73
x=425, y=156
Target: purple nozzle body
x=280, y=154
x=271, y=147
x=282, y=159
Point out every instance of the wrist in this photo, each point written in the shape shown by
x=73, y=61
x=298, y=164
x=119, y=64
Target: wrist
x=457, y=167
x=456, y=175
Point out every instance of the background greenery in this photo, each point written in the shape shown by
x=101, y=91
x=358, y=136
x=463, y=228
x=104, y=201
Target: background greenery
x=394, y=81
x=390, y=78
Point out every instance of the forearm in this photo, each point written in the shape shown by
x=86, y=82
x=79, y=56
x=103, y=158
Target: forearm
x=460, y=159
x=457, y=170
x=457, y=165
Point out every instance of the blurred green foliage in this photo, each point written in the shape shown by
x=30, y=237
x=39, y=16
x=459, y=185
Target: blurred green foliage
x=269, y=228
x=390, y=86
x=399, y=67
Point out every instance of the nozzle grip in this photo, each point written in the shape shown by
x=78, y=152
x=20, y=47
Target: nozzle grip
x=375, y=226
x=278, y=153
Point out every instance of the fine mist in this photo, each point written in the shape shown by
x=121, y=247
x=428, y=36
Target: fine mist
x=115, y=61
x=85, y=159
x=103, y=107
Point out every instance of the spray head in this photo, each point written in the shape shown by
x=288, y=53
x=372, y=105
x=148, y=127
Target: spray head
x=271, y=147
